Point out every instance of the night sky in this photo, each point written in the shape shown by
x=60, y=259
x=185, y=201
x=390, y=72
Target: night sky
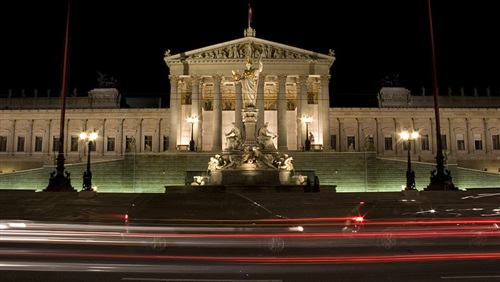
x=127, y=40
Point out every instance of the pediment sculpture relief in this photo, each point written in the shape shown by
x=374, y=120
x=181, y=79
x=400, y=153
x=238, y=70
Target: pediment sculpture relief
x=254, y=50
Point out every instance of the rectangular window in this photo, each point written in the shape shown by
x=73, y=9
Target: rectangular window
x=165, y=143
x=478, y=141
x=55, y=144
x=333, y=141
x=3, y=144
x=20, y=143
x=74, y=143
x=460, y=142
x=495, y=139
x=388, y=142
x=38, y=143
x=444, y=144
x=148, y=143
x=351, y=143
x=111, y=144
x=424, y=142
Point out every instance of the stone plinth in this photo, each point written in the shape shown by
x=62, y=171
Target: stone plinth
x=250, y=177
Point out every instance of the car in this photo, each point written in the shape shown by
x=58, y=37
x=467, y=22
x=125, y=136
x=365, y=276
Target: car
x=391, y=223
x=204, y=219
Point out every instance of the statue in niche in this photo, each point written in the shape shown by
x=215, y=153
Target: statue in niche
x=249, y=82
x=369, y=146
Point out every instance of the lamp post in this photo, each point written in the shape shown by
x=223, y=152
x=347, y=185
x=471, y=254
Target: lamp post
x=307, y=120
x=440, y=178
x=59, y=179
x=192, y=120
x=87, y=175
x=410, y=174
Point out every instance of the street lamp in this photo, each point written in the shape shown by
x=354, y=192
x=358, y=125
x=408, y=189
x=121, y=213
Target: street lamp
x=410, y=174
x=87, y=175
x=307, y=120
x=192, y=120
x=440, y=178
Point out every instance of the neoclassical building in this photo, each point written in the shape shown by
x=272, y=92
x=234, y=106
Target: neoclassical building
x=293, y=84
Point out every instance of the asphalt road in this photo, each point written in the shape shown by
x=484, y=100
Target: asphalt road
x=123, y=264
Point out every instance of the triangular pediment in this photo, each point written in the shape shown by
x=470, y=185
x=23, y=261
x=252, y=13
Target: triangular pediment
x=248, y=46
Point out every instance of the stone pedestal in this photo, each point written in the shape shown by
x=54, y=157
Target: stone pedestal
x=285, y=177
x=249, y=115
x=250, y=177
x=216, y=177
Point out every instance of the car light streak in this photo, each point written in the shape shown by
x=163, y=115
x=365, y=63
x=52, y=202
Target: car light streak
x=269, y=259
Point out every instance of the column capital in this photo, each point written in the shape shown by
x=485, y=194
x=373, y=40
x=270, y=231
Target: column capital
x=282, y=78
x=173, y=78
x=217, y=78
x=195, y=79
x=325, y=79
x=302, y=80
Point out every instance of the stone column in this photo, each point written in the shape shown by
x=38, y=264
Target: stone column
x=121, y=137
x=282, y=130
x=487, y=137
x=157, y=140
x=217, y=117
x=470, y=137
x=379, y=139
x=46, y=143
x=102, y=137
x=304, y=110
x=196, y=108
x=324, y=112
x=341, y=138
x=140, y=139
x=175, y=104
x=397, y=130
x=10, y=147
x=451, y=138
x=359, y=139
x=238, y=107
x=260, y=101
x=29, y=138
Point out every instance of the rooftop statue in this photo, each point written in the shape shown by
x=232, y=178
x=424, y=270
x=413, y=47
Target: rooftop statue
x=104, y=82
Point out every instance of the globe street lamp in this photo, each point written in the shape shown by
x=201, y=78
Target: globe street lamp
x=192, y=120
x=87, y=175
x=410, y=174
x=307, y=120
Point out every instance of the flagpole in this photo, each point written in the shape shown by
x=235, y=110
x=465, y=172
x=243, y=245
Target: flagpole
x=249, y=15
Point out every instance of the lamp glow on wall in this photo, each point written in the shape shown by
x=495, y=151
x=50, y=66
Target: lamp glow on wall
x=410, y=174
x=192, y=120
x=307, y=120
x=87, y=175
